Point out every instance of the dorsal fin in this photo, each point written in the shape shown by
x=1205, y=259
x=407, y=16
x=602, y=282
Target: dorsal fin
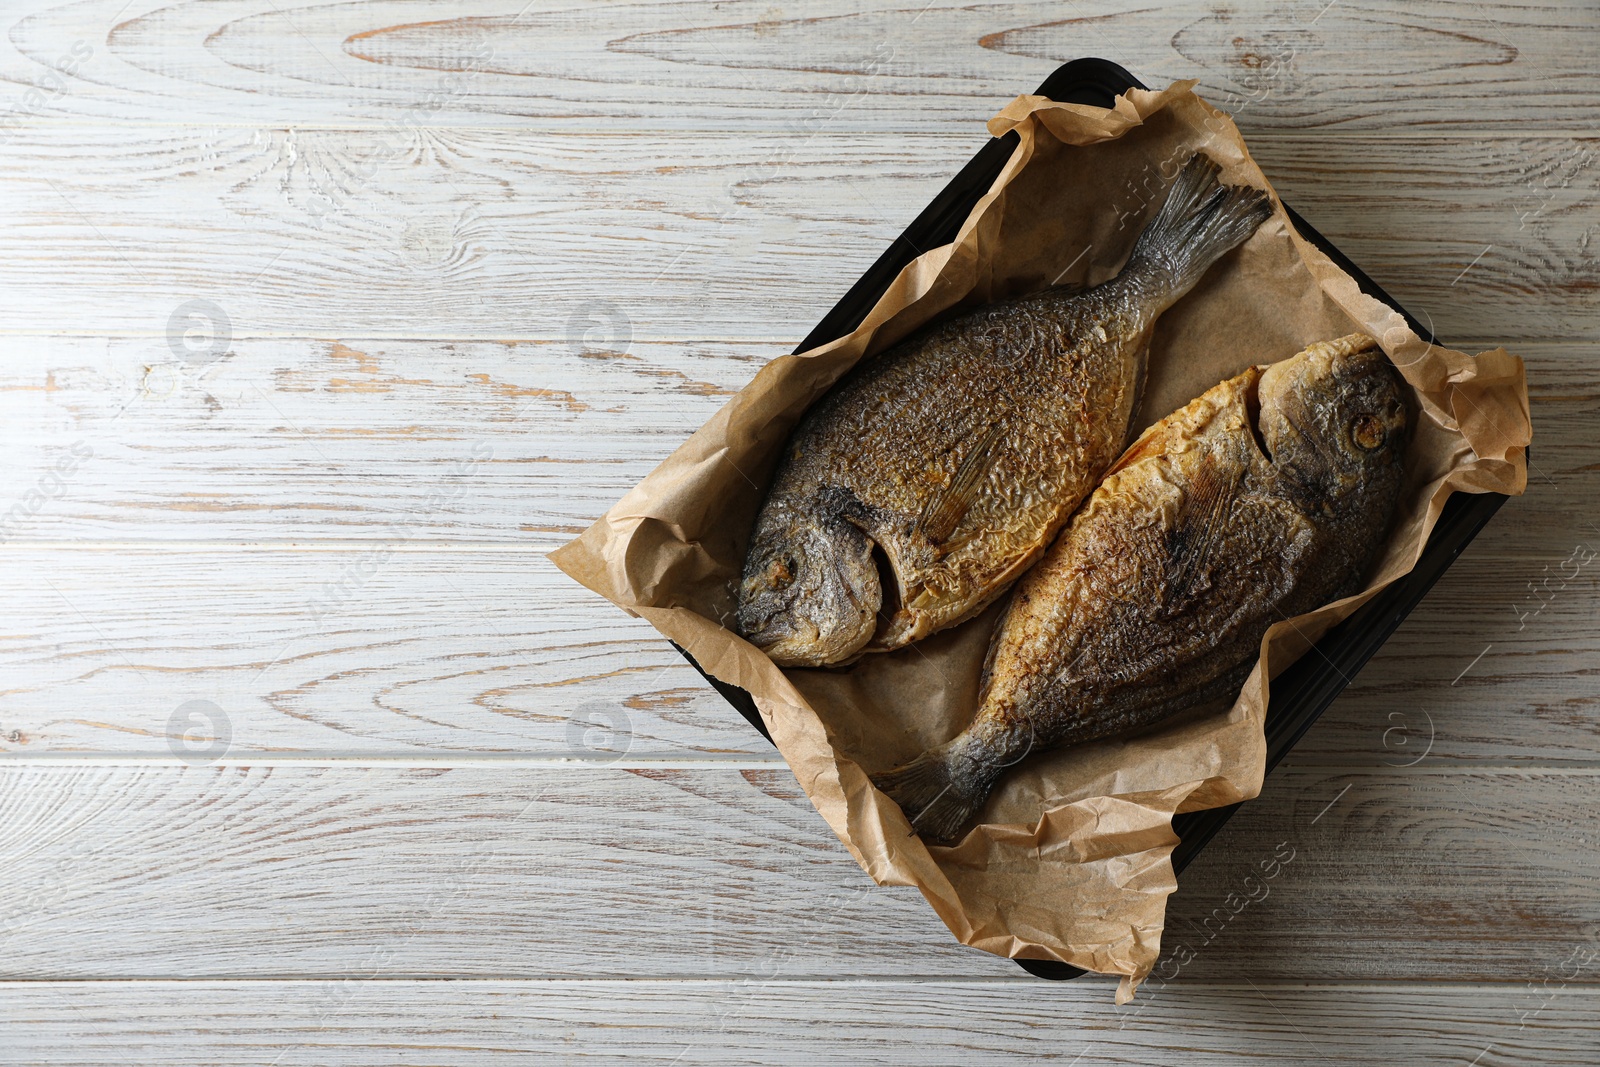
x=948, y=506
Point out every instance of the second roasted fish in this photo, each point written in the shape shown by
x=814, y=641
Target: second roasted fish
x=1263, y=499
x=928, y=480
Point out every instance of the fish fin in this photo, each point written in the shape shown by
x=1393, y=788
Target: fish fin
x=926, y=790
x=1201, y=516
x=1199, y=223
x=1141, y=376
x=948, y=506
x=1149, y=443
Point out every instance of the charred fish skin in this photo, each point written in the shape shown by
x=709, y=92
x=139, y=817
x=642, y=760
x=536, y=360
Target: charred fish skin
x=1265, y=498
x=931, y=477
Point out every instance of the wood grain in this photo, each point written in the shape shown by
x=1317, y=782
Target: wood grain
x=1492, y=667
x=482, y=266
x=452, y=233
x=425, y=652
x=1373, y=876
x=476, y=871
x=1354, y=65
x=412, y=653
x=517, y=444
x=476, y=1023
x=277, y=872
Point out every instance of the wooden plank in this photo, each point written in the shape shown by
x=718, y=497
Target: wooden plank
x=1376, y=65
x=481, y=1023
x=1362, y=875
x=273, y=872
x=1495, y=666
x=382, y=425
x=482, y=872
x=436, y=654
x=341, y=654
x=514, y=443
x=518, y=444
x=355, y=234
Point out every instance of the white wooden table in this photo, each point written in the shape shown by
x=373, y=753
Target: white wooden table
x=323, y=322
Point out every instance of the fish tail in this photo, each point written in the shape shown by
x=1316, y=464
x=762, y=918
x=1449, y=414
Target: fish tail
x=934, y=794
x=1199, y=223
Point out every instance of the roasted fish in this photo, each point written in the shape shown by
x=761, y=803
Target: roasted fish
x=1265, y=498
x=934, y=474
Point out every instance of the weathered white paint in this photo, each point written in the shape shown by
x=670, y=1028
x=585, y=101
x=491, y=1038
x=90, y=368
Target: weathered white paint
x=459, y=765
x=518, y=443
x=339, y=649
x=1374, y=65
x=1438, y=873
x=781, y=1021
x=512, y=234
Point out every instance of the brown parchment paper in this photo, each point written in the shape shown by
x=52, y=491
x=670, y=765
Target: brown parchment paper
x=1071, y=860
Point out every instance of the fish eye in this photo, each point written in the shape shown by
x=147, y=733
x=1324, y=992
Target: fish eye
x=781, y=574
x=1366, y=431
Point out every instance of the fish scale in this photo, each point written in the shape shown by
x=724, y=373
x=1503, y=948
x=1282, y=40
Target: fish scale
x=1214, y=525
x=929, y=478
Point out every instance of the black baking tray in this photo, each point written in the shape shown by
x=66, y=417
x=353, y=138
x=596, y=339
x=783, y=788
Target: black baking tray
x=1305, y=688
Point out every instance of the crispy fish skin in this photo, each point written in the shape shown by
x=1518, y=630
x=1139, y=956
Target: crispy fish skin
x=1265, y=498
x=961, y=451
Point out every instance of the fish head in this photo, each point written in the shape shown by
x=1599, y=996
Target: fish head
x=1333, y=421
x=810, y=592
